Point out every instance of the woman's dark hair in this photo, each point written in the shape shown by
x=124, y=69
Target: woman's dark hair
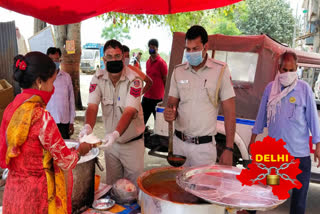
x=113, y=44
x=26, y=69
x=153, y=42
x=195, y=31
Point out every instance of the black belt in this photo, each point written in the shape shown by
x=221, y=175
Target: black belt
x=195, y=140
x=136, y=138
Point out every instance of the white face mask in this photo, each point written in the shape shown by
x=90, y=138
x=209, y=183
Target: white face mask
x=287, y=78
x=126, y=61
x=194, y=58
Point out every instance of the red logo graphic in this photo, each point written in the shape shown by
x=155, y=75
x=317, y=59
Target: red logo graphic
x=135, y=91
x=272, y=165
x=136, y=83
x=92, y=87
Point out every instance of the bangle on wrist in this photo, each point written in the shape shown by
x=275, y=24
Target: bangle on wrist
x=79, y=155
x=228, y=148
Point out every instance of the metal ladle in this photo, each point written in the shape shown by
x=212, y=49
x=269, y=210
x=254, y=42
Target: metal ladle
x=174, y=160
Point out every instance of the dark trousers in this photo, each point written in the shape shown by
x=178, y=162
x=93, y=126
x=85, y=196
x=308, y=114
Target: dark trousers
x=149, y=106
x=64, y=130
x=299, y=196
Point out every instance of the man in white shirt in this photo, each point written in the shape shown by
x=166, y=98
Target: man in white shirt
x=61, y=105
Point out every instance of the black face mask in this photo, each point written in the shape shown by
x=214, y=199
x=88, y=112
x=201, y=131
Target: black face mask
x=114, y=66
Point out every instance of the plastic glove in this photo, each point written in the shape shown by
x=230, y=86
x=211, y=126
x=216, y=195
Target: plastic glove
x=109, y=139
x=86, y=130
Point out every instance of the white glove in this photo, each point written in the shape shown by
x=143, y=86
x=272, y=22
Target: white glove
x=109, y=140
x=86, y=130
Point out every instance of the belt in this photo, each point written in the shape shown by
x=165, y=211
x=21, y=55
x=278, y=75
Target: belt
x=195, y=140
x=136, y=138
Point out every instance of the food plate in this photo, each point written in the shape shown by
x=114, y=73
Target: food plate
x=91, y=139
x=218, y=184
x=71, y=143
x=94, y=152
x=103, y=204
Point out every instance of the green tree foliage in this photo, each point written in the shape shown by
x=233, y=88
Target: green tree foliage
x=134, y=20
x=118, y=32
x=223, y=21
x=250, y=17
x=223, y=26
x=272, y=17
x=179, y=22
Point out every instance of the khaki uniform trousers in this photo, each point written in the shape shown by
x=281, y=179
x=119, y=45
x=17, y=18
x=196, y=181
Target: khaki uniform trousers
x=196, y=154
x=125, y=161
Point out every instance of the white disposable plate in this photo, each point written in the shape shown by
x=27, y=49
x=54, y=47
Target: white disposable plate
x=94, y=152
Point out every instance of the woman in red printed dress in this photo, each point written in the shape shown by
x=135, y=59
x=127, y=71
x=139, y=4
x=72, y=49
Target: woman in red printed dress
x=31, y=146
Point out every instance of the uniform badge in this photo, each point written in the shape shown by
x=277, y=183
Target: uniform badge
x=92, y=87
x=136, y=83
x=183, y=81
x=135, y=91
x=292, y=100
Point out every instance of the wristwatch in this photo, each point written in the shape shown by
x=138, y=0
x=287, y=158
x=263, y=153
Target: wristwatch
x=228, y=148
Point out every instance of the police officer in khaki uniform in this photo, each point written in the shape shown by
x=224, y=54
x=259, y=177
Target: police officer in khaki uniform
x=118, y=89
x=195, y=88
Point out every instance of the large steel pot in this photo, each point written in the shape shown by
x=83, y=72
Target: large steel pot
x=83, y=180
x=152, y=203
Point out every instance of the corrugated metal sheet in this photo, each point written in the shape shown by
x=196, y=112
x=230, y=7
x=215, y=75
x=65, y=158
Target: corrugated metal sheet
x=8, y=50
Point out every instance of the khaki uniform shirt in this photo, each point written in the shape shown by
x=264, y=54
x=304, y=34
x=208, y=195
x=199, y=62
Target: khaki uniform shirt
x=196, y=114
x=114, y=100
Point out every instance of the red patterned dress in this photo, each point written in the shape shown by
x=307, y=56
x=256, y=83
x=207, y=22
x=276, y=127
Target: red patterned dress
x=35, y=183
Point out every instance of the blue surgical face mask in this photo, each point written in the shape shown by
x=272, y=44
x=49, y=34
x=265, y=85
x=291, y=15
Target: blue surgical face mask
x=152, y=51
x=57, y=65
x=194, y=58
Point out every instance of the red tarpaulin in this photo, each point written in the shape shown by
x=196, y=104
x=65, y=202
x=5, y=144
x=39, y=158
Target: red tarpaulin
x=60, y=12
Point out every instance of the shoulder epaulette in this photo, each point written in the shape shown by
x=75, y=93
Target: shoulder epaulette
x=183, y=64
x=218, y=62
x=99, y=73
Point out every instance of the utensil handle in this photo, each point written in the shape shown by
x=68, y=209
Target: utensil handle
x=170, y=147
x=99, y=165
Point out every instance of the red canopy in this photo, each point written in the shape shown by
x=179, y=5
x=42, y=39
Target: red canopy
x=60, y=12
